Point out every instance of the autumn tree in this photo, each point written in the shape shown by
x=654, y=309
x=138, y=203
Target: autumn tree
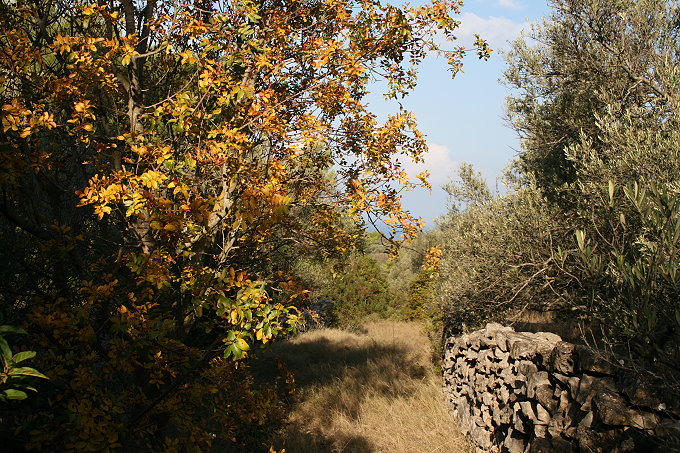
x=160, y=162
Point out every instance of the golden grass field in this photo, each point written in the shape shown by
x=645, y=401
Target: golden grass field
x=374, y=391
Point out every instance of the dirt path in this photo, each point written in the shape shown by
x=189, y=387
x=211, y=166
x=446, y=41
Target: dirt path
x=369, y=392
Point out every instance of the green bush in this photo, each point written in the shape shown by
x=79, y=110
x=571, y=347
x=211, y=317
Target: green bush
x=630, y=279
x=497, y=259
x=356, y=287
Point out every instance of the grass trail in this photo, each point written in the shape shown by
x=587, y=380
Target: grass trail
x=369, y=392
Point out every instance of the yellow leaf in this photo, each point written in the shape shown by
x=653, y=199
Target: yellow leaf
x=241, y=343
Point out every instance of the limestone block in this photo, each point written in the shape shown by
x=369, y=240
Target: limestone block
x=487, y=418
x=545, y=395
x=506, y=373
x=562, y=358
x=540, y=431
x=482, y=438
x=503, y=394
x=588, y=386
x=528, y=346
x=488, y=340
x=518, y=424
x=514, y=443
x=502, y=340
x=542, y=415
x=587, y=421
x=613, y=411
x=471, y=355
x=536, y=379
x=557, y=425
x=590, y=440
x=548, y=337
x=611, y=408
x=527, y=409
x=573, y=383
x=519, y=387
x=487, y=398
x=565, y=403
x=475, y=343
x=527, y=368
x=643, y=420
x=500, y=355
x=502, y=415
x=521, y=346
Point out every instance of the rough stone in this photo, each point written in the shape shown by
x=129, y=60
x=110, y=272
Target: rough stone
x=518, y=424
x=643, y=420
x=587, y=421
x=590, y=385
x=514, y=444
x=475, y=343
x=542, y=415
x=612, y=410
x=556, y=445
x=483, y=438
x=527, y=410
x=503, y=394
x=573, y=383
x=536, y=379
x=502, y=341
x=562, y=358
x=526, y=368
x=590, y=440
x=544, y=394
x=564, y=403
x=540, y=431
x=502, y=415
x=501, y=355
x=522, y=346
x=487, y=398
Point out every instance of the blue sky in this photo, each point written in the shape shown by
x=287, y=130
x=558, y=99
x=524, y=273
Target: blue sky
x=463, y=117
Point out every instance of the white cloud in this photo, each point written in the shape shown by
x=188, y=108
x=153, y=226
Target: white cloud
x=496, y=30
x=511, y=4
x=437, y=161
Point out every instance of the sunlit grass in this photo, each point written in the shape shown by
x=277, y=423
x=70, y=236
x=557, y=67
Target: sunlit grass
x=366, y=392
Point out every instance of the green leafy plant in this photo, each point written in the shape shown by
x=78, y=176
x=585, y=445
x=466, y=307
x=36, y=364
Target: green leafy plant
x=15, y=379
x=633, y=282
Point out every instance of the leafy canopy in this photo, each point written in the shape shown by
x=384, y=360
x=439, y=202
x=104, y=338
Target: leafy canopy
x=162, y=162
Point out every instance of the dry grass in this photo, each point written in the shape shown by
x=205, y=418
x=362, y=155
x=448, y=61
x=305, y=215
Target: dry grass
x=368, y=392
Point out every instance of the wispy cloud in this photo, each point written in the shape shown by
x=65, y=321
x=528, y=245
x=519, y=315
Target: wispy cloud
x=437, y=161
x=498, y=31
x=511, y=4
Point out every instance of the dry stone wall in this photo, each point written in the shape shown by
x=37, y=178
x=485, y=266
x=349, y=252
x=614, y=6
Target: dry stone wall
x=523, y=392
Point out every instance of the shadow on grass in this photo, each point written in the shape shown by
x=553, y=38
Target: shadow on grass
x=335, y=373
